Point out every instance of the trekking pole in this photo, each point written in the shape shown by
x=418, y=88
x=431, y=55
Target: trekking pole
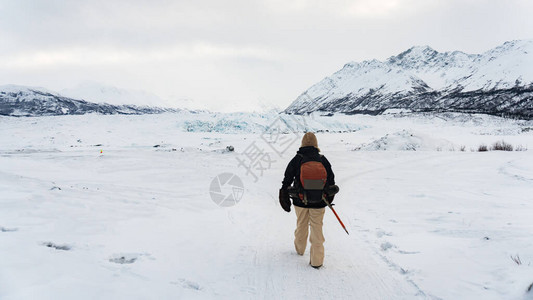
x=331, y=207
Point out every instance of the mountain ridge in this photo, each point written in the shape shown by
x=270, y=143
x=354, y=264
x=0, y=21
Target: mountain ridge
x=23, y=101
x=500, y=81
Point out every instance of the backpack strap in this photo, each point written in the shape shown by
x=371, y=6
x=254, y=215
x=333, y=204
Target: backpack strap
x=297, y=182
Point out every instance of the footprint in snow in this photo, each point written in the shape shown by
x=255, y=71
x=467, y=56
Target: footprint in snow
x=187, y=284
x=126, y=258
x=4, y=229
x=386, y=246
x=408, y=252
x=381, y=233
x=63, y=247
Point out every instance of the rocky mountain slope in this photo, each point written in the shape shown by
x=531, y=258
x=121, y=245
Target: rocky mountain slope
x=497, y=82
x=27, y=101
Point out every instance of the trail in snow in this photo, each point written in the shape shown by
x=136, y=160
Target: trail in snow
x=123, y=237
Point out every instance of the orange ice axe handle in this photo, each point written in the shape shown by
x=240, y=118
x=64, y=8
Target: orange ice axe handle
x=334, y=212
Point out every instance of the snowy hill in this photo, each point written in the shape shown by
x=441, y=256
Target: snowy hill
x=29, y=101
x=498, y=82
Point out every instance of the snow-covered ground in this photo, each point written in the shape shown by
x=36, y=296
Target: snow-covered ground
x=119, y=207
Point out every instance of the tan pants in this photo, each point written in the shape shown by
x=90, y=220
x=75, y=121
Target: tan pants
x=310, y=217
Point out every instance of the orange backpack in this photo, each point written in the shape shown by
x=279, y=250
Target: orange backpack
x=313, y=176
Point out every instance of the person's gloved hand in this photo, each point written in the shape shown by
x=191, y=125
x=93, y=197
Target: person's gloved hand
x=293, y=192
x=330, y=192
x=284, y=200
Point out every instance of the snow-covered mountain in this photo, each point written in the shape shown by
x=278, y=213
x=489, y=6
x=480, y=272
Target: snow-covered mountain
x=499, y=82
x=29, y=101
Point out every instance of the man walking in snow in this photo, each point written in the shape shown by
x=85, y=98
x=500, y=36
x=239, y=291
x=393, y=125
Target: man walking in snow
x=312, y=177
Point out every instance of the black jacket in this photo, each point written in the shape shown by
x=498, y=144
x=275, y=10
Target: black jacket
x=292, y=173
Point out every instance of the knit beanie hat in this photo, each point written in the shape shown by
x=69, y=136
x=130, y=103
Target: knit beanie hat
x=309, y=139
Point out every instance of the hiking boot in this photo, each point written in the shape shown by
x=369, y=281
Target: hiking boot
x=316, y=267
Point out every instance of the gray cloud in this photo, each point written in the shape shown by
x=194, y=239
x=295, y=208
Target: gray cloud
x=234, y=51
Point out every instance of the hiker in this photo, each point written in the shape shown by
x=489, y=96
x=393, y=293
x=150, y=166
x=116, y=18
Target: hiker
x=312, y=176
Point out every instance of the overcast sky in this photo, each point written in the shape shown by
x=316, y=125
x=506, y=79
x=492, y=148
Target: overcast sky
x=234, y=55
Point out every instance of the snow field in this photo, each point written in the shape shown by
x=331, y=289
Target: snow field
x=136, y=221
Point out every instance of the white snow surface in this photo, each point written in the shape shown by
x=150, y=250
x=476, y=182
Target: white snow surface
x=90, y=209
x=25, y=90
x=503, y=67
